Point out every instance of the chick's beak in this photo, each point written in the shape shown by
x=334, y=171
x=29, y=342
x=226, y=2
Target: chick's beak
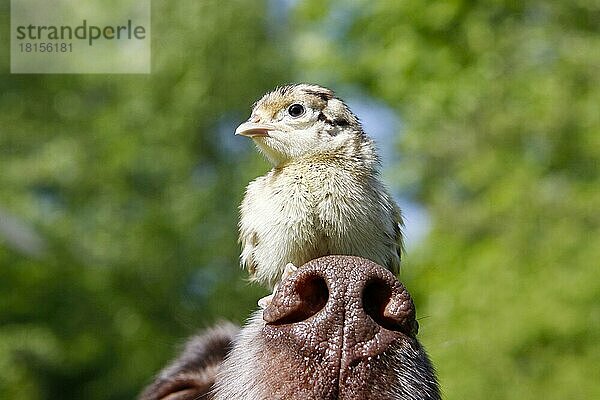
x=254, y=129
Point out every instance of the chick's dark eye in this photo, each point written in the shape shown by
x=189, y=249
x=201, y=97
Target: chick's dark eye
x=296, y=110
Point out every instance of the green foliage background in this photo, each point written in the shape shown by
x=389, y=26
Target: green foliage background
x=119, y=193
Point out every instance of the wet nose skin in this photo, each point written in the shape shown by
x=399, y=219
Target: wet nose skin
x=337, y=318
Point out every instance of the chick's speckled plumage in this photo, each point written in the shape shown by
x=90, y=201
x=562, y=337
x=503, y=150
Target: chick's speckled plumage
x=323, y=195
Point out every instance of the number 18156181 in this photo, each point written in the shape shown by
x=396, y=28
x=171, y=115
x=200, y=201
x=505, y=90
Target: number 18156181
x=46, y=47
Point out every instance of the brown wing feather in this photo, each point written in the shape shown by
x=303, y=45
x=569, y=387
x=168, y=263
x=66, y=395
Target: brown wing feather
x=394, y=261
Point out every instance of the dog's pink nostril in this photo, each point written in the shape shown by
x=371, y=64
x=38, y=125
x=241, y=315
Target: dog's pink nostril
x=301, y=297
x=389, y=306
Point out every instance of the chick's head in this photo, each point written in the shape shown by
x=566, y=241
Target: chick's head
x=300, y=120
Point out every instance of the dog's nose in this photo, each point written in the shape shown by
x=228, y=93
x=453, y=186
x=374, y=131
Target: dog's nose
x=340, y=316
x=351, y=291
